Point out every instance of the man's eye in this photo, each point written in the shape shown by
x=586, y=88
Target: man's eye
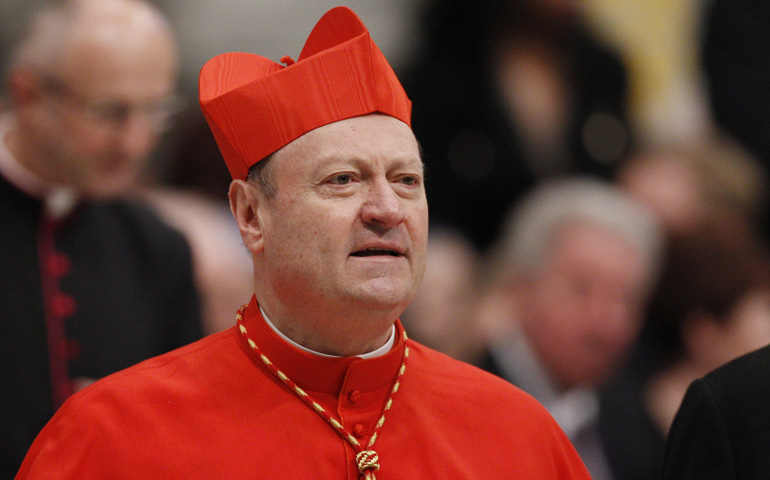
x=341, y=179
x=410, y=180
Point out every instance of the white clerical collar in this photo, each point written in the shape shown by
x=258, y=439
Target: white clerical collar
x=58, y=201
x=373, y=354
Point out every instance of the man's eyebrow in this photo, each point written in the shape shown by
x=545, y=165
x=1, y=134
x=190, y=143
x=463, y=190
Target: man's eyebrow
x=405, y=160
x=411, y=162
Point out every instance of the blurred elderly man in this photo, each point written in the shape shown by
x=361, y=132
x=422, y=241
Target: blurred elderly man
x=91, y=283
x=572, y=272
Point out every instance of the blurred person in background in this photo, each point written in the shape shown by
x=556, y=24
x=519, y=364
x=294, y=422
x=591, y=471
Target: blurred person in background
x=221, y=265
x=722, y=429
x=571, y=274
x=93, y=282
x=711, y=305
x=443, y=313
x=735, y=55
x=684, y=184
x=509, y=93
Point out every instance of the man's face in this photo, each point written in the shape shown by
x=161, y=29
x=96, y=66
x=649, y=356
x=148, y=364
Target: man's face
x=349, y=223
x=101, y=113
x=583, y=309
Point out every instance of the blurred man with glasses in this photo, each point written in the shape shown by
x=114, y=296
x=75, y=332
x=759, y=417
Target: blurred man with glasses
x=91, y=282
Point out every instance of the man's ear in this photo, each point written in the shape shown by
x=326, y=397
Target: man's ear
x=245, y=201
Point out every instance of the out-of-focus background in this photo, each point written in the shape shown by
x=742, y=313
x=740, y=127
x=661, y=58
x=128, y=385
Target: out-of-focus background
x=657, y=38
x=269, y=28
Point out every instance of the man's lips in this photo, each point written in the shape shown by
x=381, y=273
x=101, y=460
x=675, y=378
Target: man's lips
x=373, y=252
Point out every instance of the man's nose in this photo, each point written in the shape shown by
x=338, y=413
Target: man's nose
x=611, y=316
x=137, y=137
x=383, y=207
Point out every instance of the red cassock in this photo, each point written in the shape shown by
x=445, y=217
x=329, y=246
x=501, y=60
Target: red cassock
x=213, y=410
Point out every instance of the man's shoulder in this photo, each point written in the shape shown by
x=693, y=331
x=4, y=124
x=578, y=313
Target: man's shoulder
x=723, y=424
x=190, y=365
x=441, y=373
x=138, y=216
x=747, y=376
x=463, y=401
x=753, y=367
x=140, y=230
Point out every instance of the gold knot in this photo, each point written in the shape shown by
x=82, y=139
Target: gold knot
x=367, y=460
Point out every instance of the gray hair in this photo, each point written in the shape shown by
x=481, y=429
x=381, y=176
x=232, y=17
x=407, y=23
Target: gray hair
x=525, y=241
x=262, y=176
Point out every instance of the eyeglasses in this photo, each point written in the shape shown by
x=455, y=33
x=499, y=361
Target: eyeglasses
x=114, y=115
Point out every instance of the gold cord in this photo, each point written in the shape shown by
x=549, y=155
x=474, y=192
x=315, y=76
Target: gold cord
x=367, y=460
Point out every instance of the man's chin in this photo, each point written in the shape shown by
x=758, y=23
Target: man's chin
x=109, y=189
x=383, y=296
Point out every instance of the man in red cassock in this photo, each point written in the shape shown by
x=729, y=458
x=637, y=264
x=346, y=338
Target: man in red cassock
x=318, y=378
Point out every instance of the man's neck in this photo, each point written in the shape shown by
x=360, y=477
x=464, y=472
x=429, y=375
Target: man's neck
x=319, y=344
x=11, y=164
x=59, y=201
x=385, y=348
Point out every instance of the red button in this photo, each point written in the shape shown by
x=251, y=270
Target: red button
x=359, y=430
x=72, y=349
x=354, y=396
x=58, y=264
x=63, y=305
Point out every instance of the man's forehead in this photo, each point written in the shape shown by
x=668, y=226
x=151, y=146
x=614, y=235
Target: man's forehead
x=344, y=138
